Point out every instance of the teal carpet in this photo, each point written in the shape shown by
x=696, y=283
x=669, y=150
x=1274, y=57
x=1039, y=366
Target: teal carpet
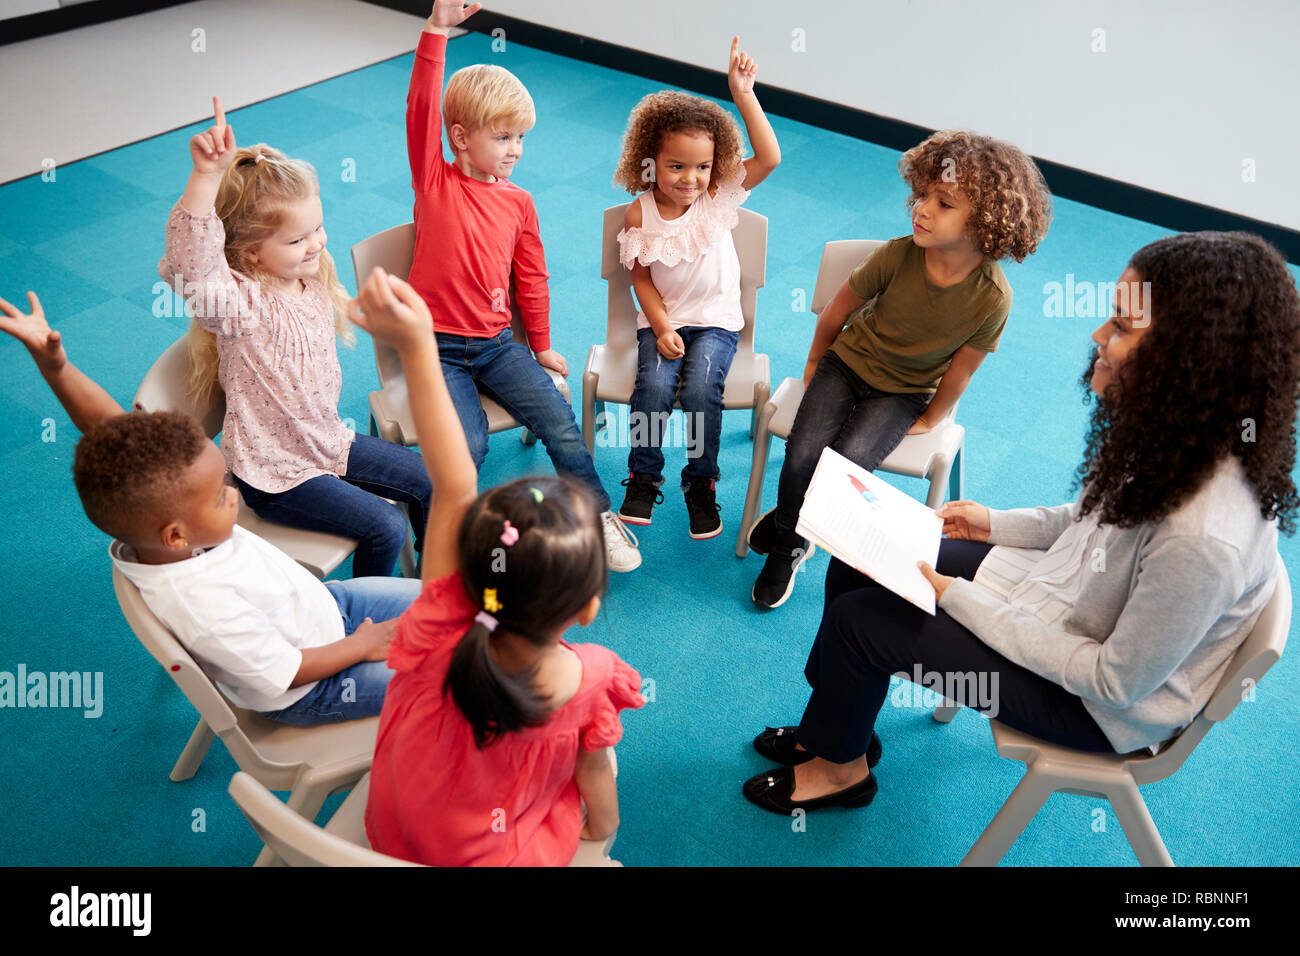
x=79, y=791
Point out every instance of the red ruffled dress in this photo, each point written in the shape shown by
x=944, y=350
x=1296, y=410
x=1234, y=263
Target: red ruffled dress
x=436, y=798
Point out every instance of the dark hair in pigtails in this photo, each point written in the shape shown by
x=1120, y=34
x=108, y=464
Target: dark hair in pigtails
x=536, y=582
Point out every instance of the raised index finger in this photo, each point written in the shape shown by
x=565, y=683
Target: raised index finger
x=735, y=45
x=218, y=113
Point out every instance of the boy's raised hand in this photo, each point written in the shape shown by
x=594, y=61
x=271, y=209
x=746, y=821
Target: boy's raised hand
x=393, y=312
x=450, y=13
x=214, y=150
x=741, y=71
x=45, y=344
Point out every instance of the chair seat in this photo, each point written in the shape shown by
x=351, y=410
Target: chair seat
x=616, y=368
x=913, y=456
x=1017, y=745
x=392, y=404
x=317, y=746
x=319, y=552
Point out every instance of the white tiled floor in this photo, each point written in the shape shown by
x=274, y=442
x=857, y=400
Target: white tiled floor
x=78, y=93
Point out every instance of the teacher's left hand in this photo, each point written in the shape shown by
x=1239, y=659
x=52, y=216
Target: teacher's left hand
x=940, y=581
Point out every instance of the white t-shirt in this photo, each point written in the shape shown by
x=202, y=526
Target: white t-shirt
x=692, y=258
x=245, y=610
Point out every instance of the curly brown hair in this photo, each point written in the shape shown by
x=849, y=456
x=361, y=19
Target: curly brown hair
x=1011, y=206
x=1219, y=374
x=671, y=111
x=130, y=470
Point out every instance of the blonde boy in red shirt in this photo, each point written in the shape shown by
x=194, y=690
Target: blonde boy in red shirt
x=476, y=236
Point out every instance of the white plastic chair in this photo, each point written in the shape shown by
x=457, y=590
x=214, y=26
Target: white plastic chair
x=390, y=407
x=1050, y=768
x=310, y=762
x=937, y=455
x=166, y=389
x=342, y=842
x=610, y=374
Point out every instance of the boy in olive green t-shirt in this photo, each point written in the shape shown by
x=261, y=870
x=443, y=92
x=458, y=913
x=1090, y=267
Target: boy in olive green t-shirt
x=921, y=314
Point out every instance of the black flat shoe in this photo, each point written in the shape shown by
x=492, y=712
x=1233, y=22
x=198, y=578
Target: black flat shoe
x=771, y=790
x=778, y=745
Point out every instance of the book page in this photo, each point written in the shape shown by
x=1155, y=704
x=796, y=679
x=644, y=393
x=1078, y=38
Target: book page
x=871, y=526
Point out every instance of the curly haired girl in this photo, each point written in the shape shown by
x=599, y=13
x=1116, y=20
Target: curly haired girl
x=899, y=342
x=683, y=155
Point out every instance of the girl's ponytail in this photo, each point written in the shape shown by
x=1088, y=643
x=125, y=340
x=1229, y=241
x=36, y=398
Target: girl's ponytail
x=532, y=556
x=494, y=702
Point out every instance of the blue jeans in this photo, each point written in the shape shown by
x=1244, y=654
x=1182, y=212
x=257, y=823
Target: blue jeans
x=356, y=691
x=505, y=371
x=862, y=423
x=352, y=505
x=697, y=380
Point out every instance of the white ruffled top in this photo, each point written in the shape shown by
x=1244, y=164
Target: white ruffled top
x=692, y=258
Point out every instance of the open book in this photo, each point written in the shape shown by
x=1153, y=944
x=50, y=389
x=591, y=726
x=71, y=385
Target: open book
x=871, y=526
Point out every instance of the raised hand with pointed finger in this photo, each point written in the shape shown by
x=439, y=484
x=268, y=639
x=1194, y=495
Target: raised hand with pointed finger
x=214, y=149
x=742, y=71
x=450, y=13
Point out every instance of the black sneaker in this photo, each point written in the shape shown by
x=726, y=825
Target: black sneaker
x=763, y=533
x=703, y=507
x=642, y=495
x=776, y=580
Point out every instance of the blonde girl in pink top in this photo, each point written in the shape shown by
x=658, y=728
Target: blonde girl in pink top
x=245, y=245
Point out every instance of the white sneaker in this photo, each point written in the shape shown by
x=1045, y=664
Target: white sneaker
x=620, y=544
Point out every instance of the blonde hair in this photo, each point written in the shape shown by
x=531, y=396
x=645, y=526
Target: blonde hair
x=252, y=197
x=483, y=95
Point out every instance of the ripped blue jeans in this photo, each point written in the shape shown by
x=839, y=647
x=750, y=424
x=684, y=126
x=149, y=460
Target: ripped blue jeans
x=697, y=380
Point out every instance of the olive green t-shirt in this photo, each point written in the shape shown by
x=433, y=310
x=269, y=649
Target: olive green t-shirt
x=904, y=338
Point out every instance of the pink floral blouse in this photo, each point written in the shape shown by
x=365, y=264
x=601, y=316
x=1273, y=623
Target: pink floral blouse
x=278, y=364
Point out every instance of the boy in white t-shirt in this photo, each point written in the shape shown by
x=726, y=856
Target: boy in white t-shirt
x=271, y=636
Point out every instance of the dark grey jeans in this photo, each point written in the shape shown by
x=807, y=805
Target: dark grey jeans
x=862, y=423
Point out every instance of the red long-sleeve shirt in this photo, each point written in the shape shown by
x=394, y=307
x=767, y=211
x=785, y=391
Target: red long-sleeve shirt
x=470, y=236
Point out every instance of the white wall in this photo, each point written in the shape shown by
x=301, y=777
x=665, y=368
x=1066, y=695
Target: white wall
x=1184, y=93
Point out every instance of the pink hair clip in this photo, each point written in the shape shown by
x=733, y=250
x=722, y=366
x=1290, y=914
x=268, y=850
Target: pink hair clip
x=260, y=157
x=510, y=534
x=487, y=620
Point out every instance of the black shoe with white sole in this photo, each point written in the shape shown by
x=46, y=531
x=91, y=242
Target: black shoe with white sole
x=776, y=580
x=763, y=533
x=702, y=505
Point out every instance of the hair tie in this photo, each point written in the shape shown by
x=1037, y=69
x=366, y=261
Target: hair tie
x=537, y=495
x=490, y=602
x=487, y=620
x=260, y=157
x=510, y=534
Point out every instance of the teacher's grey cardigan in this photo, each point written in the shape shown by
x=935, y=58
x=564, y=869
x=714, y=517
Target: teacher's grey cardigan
x=1141, y=622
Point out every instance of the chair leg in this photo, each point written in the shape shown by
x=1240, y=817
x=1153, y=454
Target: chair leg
x=946, y=711
x=195, y=750
x=957, y=477
x=940, y=473
x=1005, y=828
x=1133, y=815
x=754, y=494
x=589, y=383
x=762, y=392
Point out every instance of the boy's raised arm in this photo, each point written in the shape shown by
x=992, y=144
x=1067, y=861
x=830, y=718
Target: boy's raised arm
x=424, y=99
x=86, y=402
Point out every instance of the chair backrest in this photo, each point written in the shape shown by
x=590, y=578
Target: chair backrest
x=182, y=668
x=839, y=258
x=750, y=237
x=1261, y=649
x=296, y=840
x=166, y=389
x=393, y=250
